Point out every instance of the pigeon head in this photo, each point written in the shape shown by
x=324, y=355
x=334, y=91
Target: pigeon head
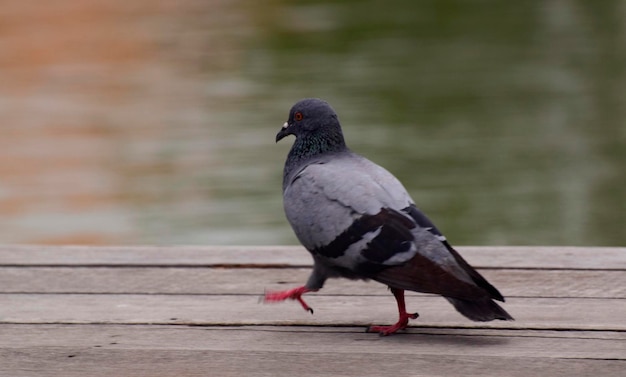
x=311, y=118
x=316, y=128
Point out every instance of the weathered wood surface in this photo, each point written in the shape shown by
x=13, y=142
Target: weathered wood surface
x=604, y=258
x=195, y=311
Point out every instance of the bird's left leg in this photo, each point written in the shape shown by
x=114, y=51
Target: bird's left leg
x=314, y=284
x=403, y=321
x=291, y=294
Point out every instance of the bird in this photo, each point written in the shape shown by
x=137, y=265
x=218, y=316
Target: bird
x=358, y=221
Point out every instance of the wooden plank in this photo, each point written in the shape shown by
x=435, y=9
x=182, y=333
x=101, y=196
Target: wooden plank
x=513, y=283
x=96, y=362
x=182, y=351
x=461, y=342
x=613, y=258
x=530, y=313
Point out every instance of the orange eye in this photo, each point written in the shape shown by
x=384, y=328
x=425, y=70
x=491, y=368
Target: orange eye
x=298, y=116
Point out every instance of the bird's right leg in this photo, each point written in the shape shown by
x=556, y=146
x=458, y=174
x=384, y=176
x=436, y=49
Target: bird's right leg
x=403, y=320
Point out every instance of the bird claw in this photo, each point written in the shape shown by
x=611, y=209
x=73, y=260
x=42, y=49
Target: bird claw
x=291, y=294
x=386, y=330
x=402, y=324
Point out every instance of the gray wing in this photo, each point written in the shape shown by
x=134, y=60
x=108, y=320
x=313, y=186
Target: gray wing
x=349, y=211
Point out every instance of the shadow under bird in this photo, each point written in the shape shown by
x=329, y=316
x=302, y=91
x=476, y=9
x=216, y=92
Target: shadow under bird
x=358, y=222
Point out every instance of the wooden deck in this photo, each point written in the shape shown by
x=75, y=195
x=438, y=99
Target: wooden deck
x=195, y=311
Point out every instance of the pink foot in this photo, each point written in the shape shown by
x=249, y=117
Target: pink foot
x=400, y=325
x=291, y=294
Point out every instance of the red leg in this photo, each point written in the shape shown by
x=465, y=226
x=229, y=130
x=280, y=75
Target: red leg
x=292, y=294
x=403, y=321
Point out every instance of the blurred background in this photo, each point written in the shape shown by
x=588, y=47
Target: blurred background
x=153, y=122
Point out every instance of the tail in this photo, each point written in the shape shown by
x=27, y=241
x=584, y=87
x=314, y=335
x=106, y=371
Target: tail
x=480, y=310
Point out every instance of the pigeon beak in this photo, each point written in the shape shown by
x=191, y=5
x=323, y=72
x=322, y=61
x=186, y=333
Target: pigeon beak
x=283, y=132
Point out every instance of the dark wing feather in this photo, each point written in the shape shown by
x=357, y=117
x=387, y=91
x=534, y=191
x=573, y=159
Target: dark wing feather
x=423, y=221
x=477, y=278
x=388, y=234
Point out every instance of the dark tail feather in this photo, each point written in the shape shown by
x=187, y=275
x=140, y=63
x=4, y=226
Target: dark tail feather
x=480, y=310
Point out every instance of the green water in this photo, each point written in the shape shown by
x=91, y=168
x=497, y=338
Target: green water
x=505, y=120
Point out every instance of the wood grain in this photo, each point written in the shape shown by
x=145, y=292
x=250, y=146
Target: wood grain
x=259, y=351
x=532, y=313
x=183, y=280
x=481, y=257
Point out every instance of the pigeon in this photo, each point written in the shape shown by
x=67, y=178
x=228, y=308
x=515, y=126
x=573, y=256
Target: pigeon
x=358, y=222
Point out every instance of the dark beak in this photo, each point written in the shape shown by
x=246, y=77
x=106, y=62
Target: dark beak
x=283, y=132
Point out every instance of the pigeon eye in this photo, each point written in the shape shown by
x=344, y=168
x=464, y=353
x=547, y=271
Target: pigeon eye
x=298, y=116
